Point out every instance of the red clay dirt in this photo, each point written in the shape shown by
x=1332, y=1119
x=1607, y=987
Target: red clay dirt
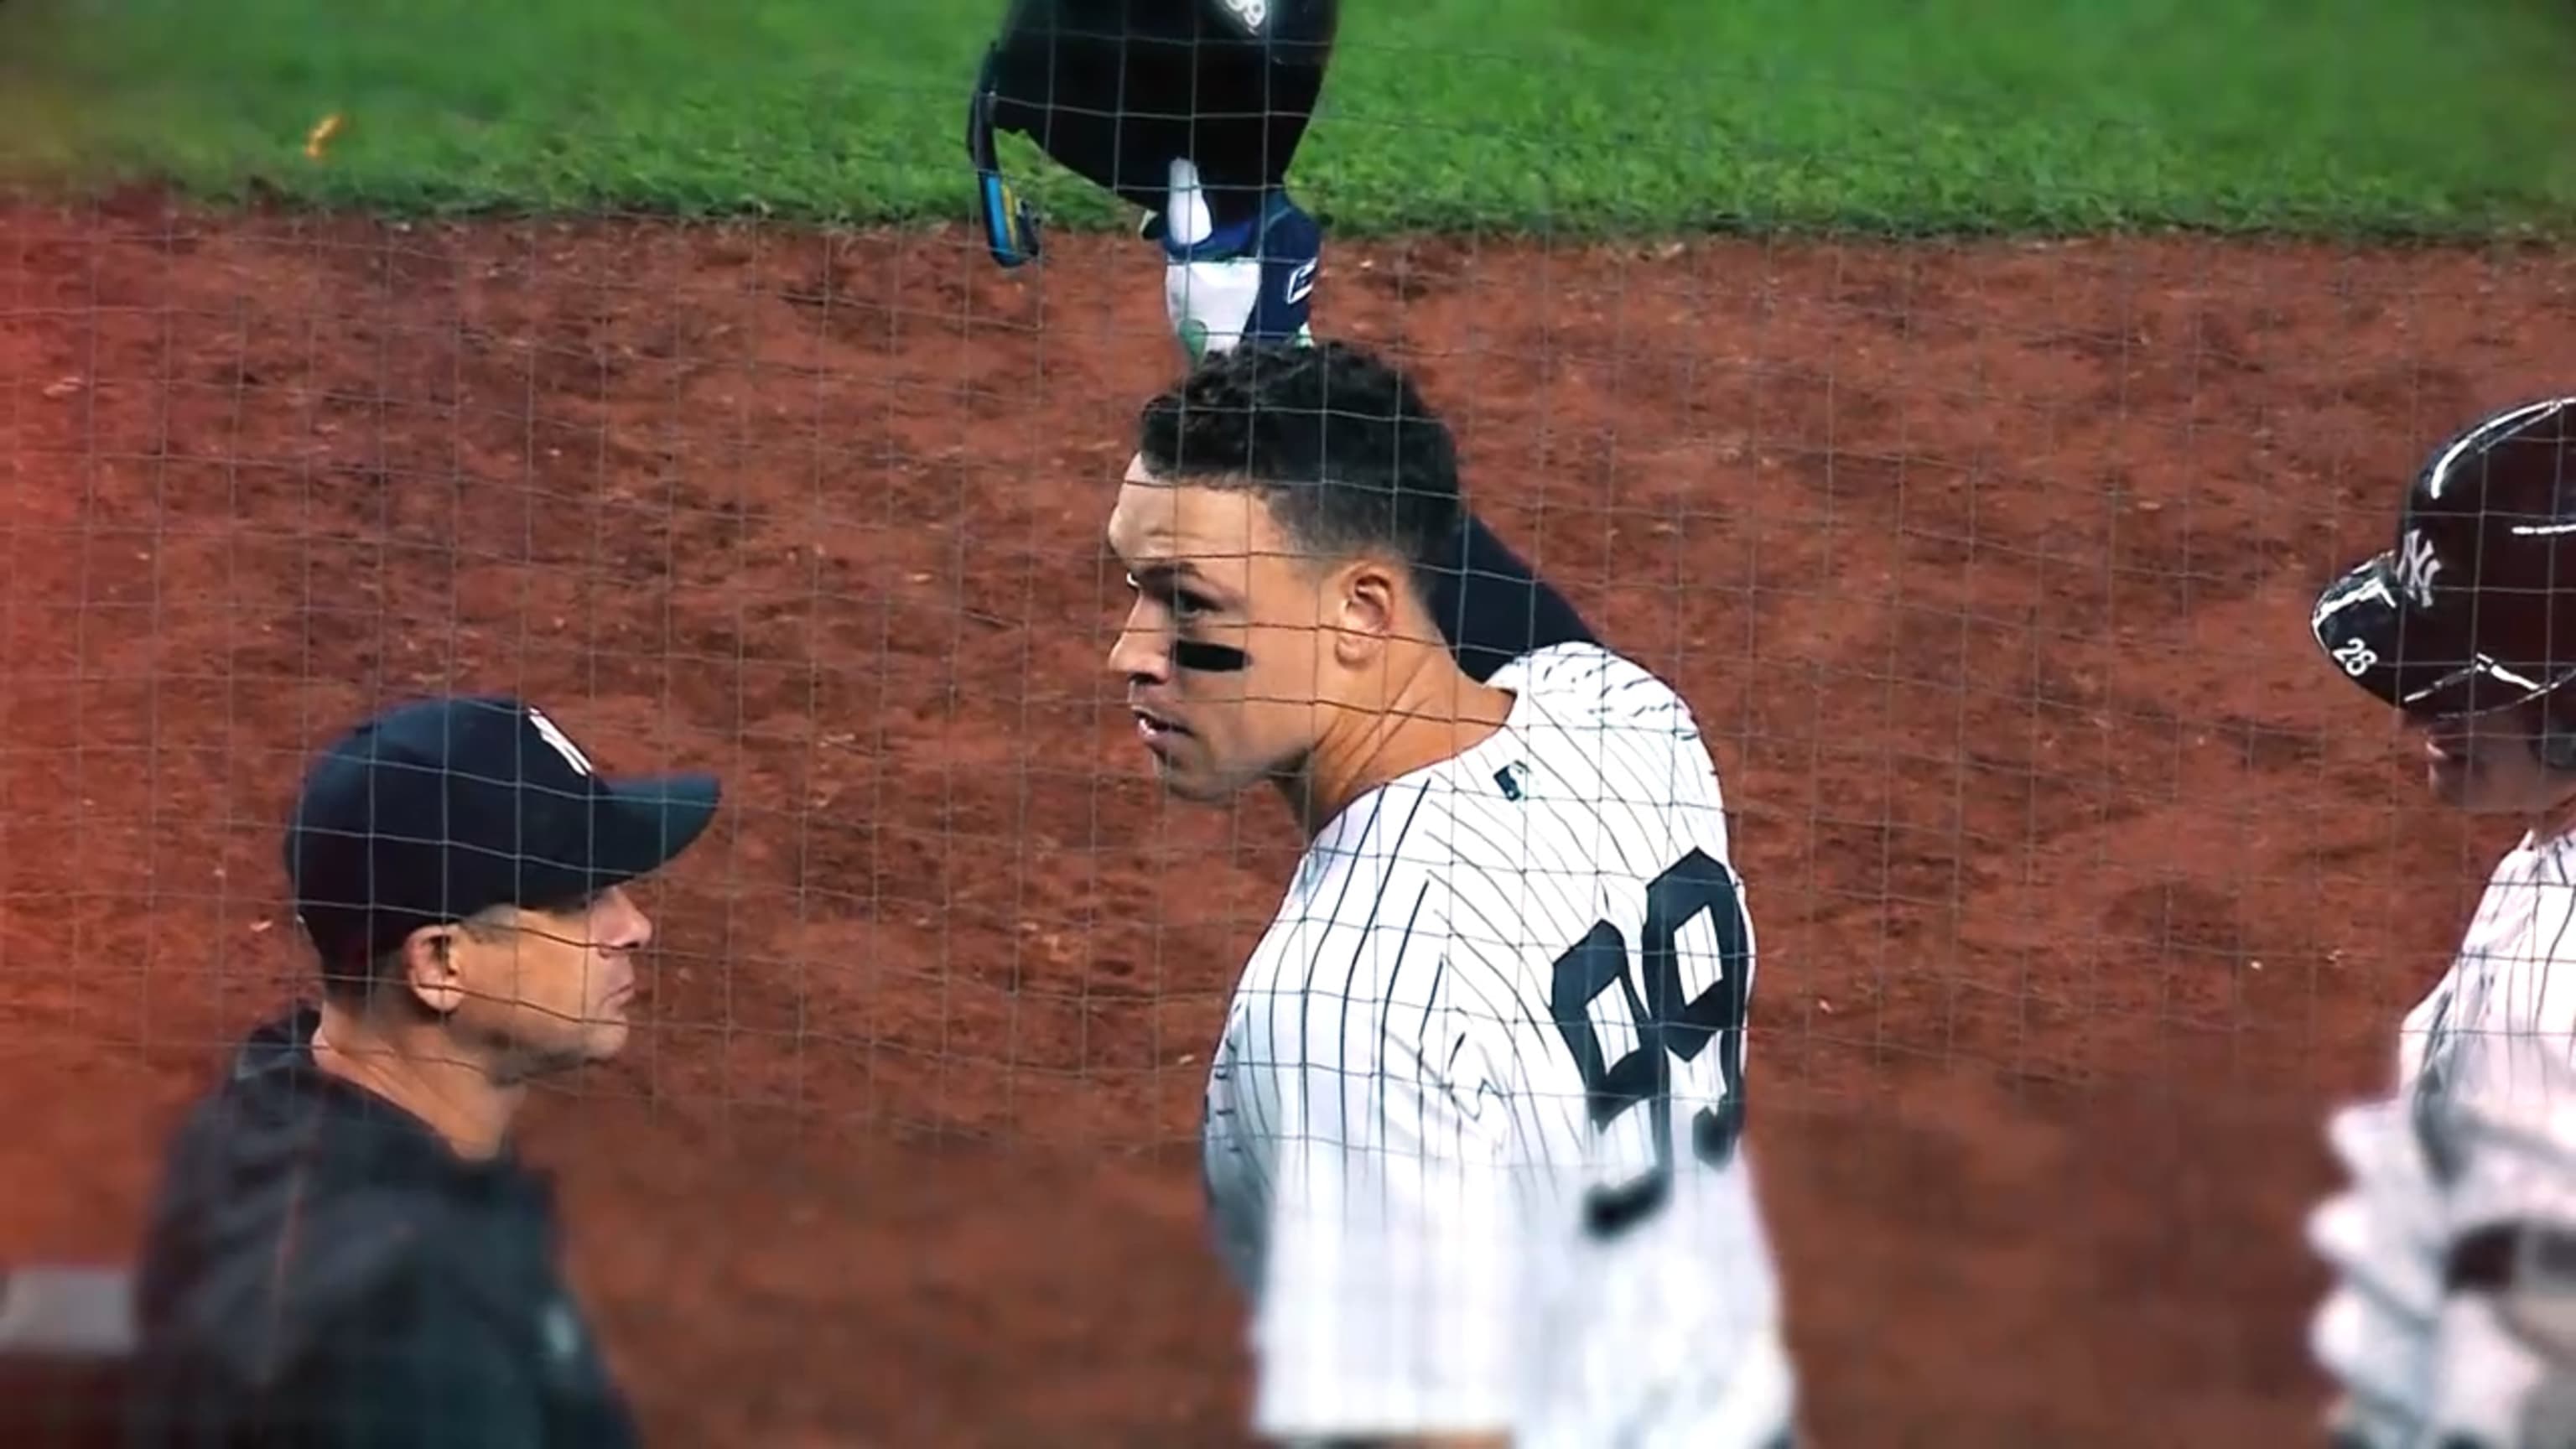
x=2083, y=885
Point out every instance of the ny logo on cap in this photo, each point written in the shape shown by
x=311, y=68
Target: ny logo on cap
x=2417, y=567
x=560, y=742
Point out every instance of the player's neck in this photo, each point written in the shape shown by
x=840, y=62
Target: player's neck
x=419, y=1068
x=1432, y=711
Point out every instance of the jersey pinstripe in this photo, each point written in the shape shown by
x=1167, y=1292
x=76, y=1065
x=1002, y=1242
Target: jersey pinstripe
x=1471, y=1138
x=2481, y=1129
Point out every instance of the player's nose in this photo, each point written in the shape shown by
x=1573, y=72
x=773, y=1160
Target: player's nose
x=1141, y=654
x=622, y=924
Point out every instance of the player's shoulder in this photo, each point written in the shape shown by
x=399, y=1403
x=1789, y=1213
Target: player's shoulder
x=2548, y=856
x=1590, y=728
x=1586, y=684
x=2528, y=909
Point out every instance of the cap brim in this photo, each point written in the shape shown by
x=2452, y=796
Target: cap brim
x=2409, y=659
x=644, y=825
x=635, y=828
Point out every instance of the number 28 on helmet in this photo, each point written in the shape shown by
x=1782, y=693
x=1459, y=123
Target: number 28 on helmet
x=2475, y=608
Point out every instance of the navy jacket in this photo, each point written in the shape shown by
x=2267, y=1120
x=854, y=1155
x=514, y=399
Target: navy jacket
x=322, y=1272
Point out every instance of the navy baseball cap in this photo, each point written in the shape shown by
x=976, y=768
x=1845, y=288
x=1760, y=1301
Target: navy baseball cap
x=439, y=809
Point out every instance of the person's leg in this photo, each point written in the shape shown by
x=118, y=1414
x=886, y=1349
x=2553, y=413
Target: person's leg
x=1230, y=279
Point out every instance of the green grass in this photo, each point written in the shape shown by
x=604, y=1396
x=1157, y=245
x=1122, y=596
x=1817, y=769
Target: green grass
x=2405, y=116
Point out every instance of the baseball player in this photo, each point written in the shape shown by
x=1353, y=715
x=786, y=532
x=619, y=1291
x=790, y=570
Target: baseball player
x=1473, y=1133
x=345, y=1251
x=2454, y=1243
x=1192, y=110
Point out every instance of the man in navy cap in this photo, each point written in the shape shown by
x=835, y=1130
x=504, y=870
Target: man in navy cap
x=346, y=1250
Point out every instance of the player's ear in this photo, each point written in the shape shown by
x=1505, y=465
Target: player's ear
x=433, y=968
x=1368, y=598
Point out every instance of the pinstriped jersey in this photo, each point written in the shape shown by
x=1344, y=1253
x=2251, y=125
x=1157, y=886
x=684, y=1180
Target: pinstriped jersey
x=1473, y=1135
x=2481, y=1130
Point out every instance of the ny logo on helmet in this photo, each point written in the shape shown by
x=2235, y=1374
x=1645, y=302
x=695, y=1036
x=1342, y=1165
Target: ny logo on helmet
x=2417, y=567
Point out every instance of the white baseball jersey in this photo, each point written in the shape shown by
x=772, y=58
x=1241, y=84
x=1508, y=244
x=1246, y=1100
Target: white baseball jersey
x=1472, y=1130
x=2481, y=1130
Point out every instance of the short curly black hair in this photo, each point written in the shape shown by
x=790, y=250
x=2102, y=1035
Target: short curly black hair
x=1338, y=441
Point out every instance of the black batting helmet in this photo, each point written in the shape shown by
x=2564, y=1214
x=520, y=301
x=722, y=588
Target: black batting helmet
x=2475, y=608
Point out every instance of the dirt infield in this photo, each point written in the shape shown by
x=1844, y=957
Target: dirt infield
x=2082, y=884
